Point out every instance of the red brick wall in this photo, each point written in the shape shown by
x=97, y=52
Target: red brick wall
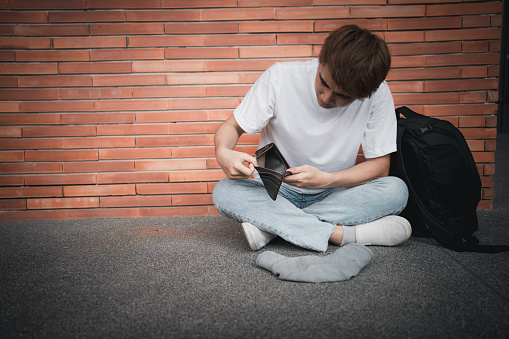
x=108, y=107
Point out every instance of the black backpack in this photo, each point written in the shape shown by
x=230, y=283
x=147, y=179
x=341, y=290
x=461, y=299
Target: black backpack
x=444, y=185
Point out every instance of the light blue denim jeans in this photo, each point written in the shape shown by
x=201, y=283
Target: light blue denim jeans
x=308, y=220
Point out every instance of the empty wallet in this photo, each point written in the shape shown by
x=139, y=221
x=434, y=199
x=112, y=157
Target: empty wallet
x=272, y=168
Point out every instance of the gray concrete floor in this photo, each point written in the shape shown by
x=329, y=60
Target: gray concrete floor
x=196, y=278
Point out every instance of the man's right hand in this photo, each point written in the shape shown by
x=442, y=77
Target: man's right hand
x=236, y=165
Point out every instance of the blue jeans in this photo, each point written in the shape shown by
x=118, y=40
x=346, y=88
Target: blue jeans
x=308, y=220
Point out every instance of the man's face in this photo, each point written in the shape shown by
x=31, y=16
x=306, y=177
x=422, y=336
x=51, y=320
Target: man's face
x=328, y=94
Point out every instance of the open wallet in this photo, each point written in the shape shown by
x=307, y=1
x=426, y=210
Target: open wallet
x=272, y=168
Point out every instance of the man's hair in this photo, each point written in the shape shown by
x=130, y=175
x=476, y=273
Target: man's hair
x=357, y=59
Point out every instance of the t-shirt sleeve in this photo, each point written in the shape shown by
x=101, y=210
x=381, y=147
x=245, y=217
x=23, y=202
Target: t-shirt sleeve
x=380, y=135
x=258, y=106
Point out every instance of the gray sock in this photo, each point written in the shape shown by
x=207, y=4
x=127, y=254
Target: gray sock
x=344, y=263
x=348, y=235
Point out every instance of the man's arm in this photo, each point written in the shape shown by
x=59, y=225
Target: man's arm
x=232, y=163
x=311, y=177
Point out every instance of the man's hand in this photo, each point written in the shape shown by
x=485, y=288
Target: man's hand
x=236, y=165
x=308, y=177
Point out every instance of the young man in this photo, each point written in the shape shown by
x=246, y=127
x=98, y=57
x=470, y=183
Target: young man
x=318, y=113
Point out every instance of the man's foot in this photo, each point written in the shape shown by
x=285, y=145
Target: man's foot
x=391, y=230
x=256, y=237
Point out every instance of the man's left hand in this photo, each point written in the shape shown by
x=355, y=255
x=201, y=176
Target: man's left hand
x=308, y=177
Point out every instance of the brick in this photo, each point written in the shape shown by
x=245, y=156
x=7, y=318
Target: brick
x=10, y=132
x=472, y=97
x=425, y=48
x=488, y=193
x=170, y=116
x=199, y=3
x=168, y=141
x=351, y=2
x=224, y=91
x=474, y=46
x=408, y=36
x=59, y=203
x=169, y=165
x=275, y=26
x=55, y=81
x=190, y=200
x=479, y=133
x=172, y=188
x=408, y=61
x=199, y=52
x=95, y=93
x=168, y=92
x=29, y=94
x=103, y=213
x=201, y=27
x=129, y=105
x=133, y=177
x=423, y=73
x=54, y=4
x=426, y=98
x=86, y=16
x=460, y=85
x=464, y=9
x=316, y=13
x=475, y=145
x=98, y=142
x=99, y=190
x=194, y=128
x=274, y=3
x=9, y=106
x=33, y=215
x=12, y=180
x=168, y=66
x=97, y=118
x=132, y=129
x=301, y=38
x=275, y=52
x=494, y=46
x=484, y=156
x=25, y=17
x=462, y=59
x=30, y=143
x=463, y=34
x=52, y=55
x=90, y=42
x=56, y=106
x=203, y=103
x=163, y=15
x=137, y=153
x=58, y=131
x=190, y=176
x=474, y=72
x=19, y=69
x=30, y=192
x=98, y=166
x=492, y=96
x=129, y=80
x=476, y=21
x=126, y=54
x=165, y=41
x=239, y=40
x=429, y=23
x=472, y=121
x=239, y=65
x=25, y=43
x=157, y=200
x=487, y=181
x=50, y=30
x=407, y=87
x=192, y=152
x=202, y=78
x=12, y=204
x=8, y=81
x=29, y=119
x=123, y=4
x=330, y=25
x=489, y=169
x=60, y=179
x=387, y=11
x=61, y=155
x=126, y=28
x=30, y=167
x=12, y=156
x=237, y=14
x=94, y=67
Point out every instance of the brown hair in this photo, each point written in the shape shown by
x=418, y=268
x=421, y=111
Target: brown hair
x=357, y=59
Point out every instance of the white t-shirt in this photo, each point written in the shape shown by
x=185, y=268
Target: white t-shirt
x=283, y=105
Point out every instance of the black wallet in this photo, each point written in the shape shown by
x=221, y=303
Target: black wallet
x=272, y=168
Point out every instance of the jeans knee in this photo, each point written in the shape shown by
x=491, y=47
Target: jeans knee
x=398, y=192
x=220, y=191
